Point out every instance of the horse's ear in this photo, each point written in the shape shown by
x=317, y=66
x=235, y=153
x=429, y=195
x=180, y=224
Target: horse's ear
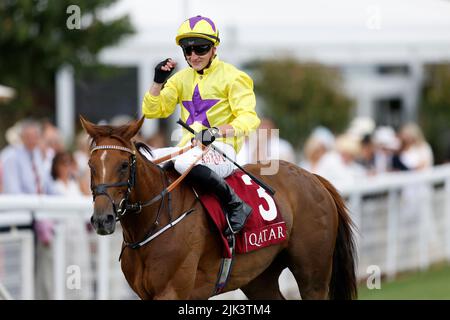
x=134, y=128
x=89, y=127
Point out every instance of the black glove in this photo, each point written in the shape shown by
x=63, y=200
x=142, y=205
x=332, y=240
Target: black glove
x=161, y=75
x=207, y=136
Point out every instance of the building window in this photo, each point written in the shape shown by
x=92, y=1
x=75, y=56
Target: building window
x=393, y=69
x=389, y=112
x=102, y=94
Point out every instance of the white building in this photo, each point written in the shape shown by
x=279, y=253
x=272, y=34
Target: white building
x=381, y=46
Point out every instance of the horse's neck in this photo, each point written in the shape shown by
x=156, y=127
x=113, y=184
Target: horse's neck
x=149, y=184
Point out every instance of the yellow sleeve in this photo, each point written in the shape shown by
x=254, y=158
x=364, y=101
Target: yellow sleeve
x=243, y=102
x=163, y=105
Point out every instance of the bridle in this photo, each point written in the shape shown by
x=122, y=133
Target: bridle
x=124, y=206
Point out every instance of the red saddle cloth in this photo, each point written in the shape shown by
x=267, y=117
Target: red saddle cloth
x=264, y=226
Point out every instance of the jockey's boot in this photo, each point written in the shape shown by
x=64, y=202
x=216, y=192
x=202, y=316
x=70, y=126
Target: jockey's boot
x=236, y=210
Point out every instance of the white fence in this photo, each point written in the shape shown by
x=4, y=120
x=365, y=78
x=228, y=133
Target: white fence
x=403, y=221
x=73, y=251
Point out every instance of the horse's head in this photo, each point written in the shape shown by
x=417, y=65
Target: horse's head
x=112, y=164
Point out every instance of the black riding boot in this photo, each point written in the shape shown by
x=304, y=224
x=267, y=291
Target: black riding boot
x=237, y=210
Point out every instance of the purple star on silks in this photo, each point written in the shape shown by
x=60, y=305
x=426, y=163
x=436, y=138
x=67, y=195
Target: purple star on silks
x=197, y=108
x=193, y=21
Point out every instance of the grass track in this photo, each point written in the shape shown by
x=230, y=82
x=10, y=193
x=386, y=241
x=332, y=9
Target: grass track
x=431, y=284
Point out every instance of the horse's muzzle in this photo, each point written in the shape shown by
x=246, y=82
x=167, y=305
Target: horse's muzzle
x=103, y=223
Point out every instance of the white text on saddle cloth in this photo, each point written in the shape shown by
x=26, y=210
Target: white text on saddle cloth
x=264, y=237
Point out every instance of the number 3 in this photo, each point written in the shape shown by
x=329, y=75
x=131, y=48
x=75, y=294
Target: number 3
x=269, y=214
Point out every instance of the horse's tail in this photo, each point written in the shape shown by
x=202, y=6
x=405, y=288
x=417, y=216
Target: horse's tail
x=343, y=277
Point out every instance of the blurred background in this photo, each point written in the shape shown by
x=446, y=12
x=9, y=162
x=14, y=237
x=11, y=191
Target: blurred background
x=355, y=90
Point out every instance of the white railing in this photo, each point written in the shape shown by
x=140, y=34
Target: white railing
x=101, y=275
x=17, y=263
x=403, y=221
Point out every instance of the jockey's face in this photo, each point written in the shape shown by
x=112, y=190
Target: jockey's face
x=199, y=62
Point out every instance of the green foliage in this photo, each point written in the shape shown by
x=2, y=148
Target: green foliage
x=35, y=41
x=434, y=110
x=301, y=96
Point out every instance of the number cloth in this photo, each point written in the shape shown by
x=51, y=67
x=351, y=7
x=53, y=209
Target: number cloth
x=264, y=226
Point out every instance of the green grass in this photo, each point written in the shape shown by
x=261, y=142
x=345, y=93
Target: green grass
x=431, y=284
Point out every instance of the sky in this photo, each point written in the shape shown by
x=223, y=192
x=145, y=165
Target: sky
x=147, y=14
x=304, y=22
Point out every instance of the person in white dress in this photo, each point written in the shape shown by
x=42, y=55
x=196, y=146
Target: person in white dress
x=338, y=165
x=416, y=155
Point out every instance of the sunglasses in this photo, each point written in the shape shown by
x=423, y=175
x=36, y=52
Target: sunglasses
x=199, y=50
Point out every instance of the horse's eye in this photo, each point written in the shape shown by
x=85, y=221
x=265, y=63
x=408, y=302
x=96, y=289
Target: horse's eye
x=124, y=166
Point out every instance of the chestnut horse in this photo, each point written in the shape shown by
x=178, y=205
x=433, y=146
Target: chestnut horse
x=183, y=262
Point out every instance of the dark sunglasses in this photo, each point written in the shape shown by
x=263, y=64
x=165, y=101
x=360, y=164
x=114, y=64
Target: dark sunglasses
x=199, y=50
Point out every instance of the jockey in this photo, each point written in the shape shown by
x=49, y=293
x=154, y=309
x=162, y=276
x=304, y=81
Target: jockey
x=217, y=101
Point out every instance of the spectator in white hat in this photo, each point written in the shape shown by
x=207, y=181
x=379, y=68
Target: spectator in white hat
x=386, y=146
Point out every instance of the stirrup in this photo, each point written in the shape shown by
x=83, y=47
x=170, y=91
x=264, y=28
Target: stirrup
x=229, y=228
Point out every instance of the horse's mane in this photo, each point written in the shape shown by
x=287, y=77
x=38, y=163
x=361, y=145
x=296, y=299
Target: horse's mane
x=141, y=145
x=168, y=166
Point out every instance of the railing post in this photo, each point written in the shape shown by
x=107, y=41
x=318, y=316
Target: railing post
x=103, y=268
x=392, y=231
x=447, y=217
x=425, y=216
x=28, y=260
x=59, y=261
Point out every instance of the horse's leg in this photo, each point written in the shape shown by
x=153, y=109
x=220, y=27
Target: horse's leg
x=181, y=283
x=311, y=248
x=265, y=286
x=310, y=261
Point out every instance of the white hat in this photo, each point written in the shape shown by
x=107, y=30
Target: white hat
x=325, y=136
x=386, y=138
x=12, y=134
x=361, y=126
x=347, y=143
x=120, y=120
x=6, y=93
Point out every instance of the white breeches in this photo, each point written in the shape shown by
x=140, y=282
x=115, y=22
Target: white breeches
x=211, y=159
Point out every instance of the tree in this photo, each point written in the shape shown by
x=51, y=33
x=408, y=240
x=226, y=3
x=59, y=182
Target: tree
x=39, y=36
x=434, y=110
x=301, y=96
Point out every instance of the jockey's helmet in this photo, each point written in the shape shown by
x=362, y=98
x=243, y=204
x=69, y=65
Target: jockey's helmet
x=198, y=30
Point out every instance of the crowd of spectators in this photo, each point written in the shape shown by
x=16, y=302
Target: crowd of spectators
x=365, y=150
x=362, y=150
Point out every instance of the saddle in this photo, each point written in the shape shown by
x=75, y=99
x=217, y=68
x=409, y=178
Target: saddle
x=264, y=227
